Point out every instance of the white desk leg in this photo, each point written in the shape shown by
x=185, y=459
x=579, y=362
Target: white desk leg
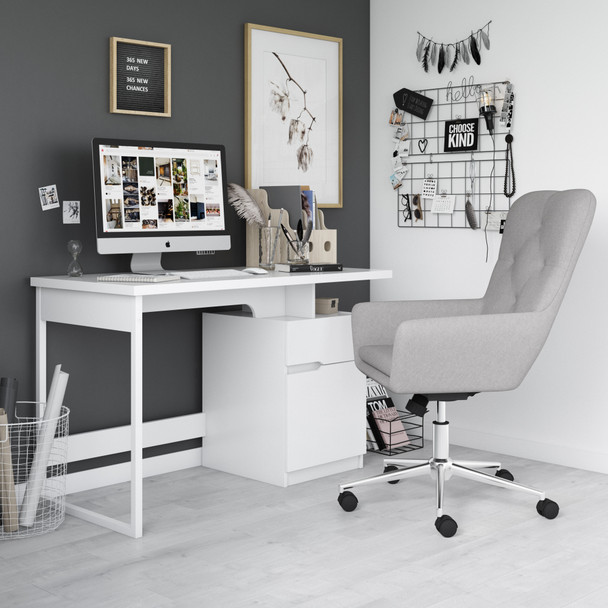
x=137, y=420
x=40, y=350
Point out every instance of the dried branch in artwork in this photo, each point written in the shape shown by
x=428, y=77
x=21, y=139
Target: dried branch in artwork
x=299, y=131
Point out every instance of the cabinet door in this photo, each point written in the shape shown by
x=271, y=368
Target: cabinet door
x=325, y=415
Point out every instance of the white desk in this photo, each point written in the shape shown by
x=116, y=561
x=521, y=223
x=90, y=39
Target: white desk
x=86, y=302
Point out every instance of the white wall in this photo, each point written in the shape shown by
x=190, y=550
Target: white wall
x=555, y=55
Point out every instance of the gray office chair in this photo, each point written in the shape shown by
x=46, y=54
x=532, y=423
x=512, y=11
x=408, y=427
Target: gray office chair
x=449, y=350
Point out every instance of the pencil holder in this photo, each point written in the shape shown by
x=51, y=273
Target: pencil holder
x=269, y=245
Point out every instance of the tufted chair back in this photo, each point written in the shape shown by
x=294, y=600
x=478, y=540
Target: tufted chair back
x=543, y=237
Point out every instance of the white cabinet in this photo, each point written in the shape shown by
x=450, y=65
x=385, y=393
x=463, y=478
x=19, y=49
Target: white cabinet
x=282, y=398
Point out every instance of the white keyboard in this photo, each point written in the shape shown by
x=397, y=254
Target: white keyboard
x=219, y=273
x=137, y=278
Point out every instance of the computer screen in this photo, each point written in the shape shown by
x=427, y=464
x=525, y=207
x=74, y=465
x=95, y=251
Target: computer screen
x=155, y=197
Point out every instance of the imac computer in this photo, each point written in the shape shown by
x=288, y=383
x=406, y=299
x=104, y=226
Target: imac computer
x=155, y=197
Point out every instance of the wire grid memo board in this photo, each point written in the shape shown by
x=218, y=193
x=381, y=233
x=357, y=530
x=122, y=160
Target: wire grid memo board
x=478, y=174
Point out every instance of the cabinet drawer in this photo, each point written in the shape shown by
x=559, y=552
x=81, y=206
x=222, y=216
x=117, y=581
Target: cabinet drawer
x=325, y=415
x=322, y=339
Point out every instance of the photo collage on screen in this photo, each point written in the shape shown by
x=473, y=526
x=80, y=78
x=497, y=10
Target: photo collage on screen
x=161, y=189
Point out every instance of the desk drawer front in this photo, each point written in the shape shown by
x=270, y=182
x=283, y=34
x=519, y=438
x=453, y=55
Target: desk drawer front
x=322, y=339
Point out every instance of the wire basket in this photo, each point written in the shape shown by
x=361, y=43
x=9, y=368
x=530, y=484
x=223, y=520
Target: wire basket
x=33, y=466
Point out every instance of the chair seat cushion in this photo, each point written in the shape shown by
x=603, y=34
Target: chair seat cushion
x=378, y=356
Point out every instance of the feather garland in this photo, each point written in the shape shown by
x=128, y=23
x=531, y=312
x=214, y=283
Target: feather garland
x=450, y=54
x=456, y=57
x=420, y=47
x=464, y=53
x=425, y=57
x=441, y=60
x=486, y=39
x=474, y=50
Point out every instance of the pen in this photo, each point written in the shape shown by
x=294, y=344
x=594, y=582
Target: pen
x=290, y=240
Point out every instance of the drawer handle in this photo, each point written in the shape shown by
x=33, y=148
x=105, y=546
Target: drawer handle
x=304, y=367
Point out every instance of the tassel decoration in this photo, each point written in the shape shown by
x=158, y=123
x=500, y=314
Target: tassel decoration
x=450, y=54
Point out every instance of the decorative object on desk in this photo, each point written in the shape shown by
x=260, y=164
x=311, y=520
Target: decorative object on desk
x=245, y=206
x=74, y=267
x=322, y=245
x=49, y=199
x=460, y=135
x=412, y=102
x=429, y=52
x=293, y=110
x=326, y=306
x=269, y=236
x=140, y=77
x=298, y=253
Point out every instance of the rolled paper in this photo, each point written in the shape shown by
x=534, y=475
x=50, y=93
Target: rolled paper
x=46, y=434
x=10, y=518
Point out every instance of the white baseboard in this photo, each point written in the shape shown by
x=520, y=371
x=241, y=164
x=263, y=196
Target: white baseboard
x=587, y=460
x=118, y=473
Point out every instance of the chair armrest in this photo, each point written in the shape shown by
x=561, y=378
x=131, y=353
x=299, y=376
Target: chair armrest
x=471, y=353
x=377, y=322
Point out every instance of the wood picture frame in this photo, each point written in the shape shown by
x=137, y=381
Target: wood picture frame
x=140, y=77
x=293, y=111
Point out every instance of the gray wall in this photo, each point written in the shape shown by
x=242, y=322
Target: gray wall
x=54, y=58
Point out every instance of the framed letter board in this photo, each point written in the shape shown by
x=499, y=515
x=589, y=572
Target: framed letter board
x=140, y=77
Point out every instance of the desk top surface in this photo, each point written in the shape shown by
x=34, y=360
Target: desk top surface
x=89, y=283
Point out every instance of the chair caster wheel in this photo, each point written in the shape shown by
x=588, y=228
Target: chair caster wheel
x=504, y=474
x=446, y=526
x=348, y=501
x=547, y=508
x=388, y=469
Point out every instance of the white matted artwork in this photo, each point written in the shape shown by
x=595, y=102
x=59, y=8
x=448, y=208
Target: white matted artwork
x=293, y=111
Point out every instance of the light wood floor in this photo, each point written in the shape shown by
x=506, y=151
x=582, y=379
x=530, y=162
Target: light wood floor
x=215, y=540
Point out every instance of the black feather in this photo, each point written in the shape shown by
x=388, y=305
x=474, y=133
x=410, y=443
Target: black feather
x=441, y=60
x=474, y=50
x=456, y=57
x=425, y=57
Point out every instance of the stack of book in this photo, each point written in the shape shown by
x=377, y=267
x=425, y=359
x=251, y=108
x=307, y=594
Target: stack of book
x=385, y=430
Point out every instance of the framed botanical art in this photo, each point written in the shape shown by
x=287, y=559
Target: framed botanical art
x=293, y=111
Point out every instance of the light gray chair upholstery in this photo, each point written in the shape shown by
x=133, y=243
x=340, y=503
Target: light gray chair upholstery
x=448, y=350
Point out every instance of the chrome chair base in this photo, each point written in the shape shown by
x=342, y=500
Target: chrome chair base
x=441, y=467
